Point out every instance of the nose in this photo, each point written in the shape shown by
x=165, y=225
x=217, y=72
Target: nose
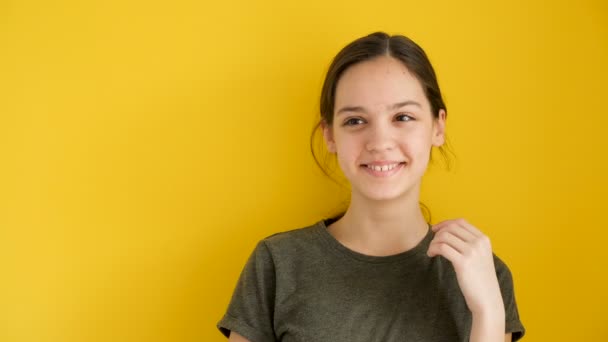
x=380, y=138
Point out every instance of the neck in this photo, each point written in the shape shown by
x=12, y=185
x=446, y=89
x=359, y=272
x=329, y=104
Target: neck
x=381, y=227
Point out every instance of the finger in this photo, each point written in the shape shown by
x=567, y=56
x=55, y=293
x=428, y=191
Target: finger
x=459, y=222
x=471, y=228
x=458, y=230
x=441, y=224
x=445, y=251
x=451, y=239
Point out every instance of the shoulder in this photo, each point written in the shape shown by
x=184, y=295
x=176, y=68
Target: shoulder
x=294, y=237
x=293, y=244
x=502, y=270
x=507, y=288
x=504, y=275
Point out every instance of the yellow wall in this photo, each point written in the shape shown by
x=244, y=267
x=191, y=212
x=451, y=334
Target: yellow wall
x=146, y=147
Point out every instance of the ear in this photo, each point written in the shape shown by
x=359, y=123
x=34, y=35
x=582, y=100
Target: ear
x=328, y=135
x=438, y=138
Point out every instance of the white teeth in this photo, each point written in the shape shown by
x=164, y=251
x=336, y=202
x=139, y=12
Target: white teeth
x=382, y=168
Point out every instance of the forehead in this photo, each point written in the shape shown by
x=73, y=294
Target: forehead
x=376, y=83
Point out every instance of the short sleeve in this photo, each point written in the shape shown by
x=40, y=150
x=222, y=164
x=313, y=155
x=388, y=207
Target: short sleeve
x=251, y=309
x=505, y=280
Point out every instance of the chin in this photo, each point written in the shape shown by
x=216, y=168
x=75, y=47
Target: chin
x=387, y=195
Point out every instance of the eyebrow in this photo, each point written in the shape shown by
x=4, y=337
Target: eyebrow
x=391, y=107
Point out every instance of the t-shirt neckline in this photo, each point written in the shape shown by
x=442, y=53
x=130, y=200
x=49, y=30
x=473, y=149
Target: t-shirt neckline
x=419, y=249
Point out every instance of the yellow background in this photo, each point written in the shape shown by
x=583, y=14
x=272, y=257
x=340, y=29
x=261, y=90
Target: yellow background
x=145, y=147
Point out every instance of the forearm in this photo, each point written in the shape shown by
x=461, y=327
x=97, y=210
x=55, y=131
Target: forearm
x=488, y=327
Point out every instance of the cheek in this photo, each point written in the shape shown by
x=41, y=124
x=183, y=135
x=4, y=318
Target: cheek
x=345, y=144
x=418, y=147
x=347, y=152
x=421, y=145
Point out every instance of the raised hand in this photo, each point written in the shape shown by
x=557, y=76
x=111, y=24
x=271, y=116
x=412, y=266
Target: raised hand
x=470, y=252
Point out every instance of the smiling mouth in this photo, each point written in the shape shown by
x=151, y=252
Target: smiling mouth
x=382, y=168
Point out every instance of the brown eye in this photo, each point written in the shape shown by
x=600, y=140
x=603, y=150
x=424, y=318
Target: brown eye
x=404, y=117
x=353, y=122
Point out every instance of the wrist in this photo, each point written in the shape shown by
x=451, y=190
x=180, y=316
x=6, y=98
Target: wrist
x=493, y=305
x=494, y=316
x=488, y=326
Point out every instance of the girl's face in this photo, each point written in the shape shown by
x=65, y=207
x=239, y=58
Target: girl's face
x=383, y=129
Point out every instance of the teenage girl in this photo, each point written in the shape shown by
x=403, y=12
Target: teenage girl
x=378, y=272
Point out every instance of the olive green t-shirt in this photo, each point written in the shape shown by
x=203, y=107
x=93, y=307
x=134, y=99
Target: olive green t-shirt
x=305, y=286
